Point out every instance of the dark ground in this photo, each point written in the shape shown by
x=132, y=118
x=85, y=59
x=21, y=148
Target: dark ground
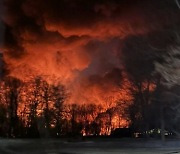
x=89, y=146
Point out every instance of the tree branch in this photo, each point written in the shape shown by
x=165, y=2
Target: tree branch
x=177, y=2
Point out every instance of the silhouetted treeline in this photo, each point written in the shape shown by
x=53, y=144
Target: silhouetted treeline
x=38, y=109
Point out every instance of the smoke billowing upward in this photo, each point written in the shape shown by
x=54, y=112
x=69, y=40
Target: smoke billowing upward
x=83, y=44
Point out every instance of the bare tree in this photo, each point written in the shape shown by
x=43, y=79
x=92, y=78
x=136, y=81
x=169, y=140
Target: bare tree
x=12, y=95
x=33, y=98
x=170, y=68
x=169, y=71
x=58, y=97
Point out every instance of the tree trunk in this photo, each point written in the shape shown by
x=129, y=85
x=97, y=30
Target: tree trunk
x=162, y=123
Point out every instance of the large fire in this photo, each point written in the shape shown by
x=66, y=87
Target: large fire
x=81, y=50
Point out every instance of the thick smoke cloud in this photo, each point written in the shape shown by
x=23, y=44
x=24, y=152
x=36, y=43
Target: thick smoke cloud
x=81, y=43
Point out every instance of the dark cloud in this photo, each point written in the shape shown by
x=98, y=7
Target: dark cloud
x=80, y=40
x=76, y=18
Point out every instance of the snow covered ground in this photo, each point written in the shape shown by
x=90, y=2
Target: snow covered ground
x=100, y=146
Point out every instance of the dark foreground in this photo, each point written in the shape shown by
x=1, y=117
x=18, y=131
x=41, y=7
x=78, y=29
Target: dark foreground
x=91, y=146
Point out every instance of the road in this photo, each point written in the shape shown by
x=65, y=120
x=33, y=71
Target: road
x=101, y=146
